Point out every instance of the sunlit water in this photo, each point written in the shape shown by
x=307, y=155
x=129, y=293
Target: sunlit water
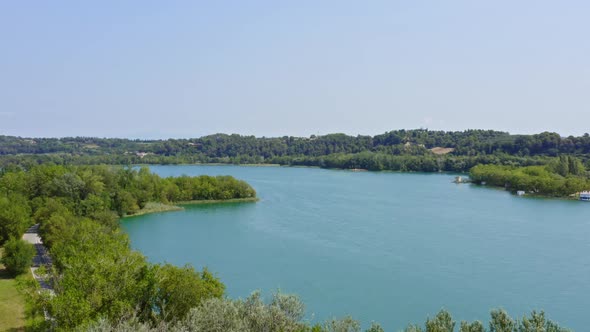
x=387, y=247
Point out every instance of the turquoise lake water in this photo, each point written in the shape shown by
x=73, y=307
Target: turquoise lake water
x=387, y=247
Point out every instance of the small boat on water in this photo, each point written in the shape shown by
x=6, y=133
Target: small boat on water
x=585, y=196
x=460, y=179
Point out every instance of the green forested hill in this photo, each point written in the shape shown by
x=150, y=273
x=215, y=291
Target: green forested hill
x=399, y=150
x=418, y=141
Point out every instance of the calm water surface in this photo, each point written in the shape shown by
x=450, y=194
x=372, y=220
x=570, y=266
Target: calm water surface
x=387, y=247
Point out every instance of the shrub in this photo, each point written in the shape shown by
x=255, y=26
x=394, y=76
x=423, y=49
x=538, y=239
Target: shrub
x=18, y=256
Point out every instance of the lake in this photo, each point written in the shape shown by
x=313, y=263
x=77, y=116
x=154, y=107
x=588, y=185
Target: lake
x=387, y=247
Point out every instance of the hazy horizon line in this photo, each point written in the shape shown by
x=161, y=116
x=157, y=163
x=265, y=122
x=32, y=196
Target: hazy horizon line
x=162, y=137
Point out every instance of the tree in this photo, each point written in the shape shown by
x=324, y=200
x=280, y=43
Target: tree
x=125, y=203
x=476, y=326
x=215, y=315
x=413, y=328
x=346, y=324
x=501, y=322
x=14, y=216
x=18, y=256
x=375, y=328
x=289, y=305
x=537, y=323
x=442, y=322
x=182, y=288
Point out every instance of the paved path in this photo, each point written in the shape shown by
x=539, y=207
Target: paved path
x=41, y=258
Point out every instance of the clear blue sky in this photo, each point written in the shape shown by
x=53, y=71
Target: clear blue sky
x=186, y=69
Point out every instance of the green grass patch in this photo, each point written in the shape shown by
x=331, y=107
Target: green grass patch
x=18, y=311
x=218, y=201
x=155, y=207
x=12, y=302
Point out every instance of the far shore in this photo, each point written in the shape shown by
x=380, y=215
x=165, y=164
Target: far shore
x=212, y=164
x=305, y=166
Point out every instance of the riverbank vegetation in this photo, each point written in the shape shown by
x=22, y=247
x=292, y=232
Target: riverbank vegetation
x=95, y=274
x=562, y=177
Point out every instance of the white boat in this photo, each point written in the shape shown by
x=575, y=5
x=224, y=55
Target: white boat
x=585, y=196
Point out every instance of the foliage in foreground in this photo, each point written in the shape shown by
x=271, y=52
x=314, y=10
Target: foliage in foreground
x=284, y=313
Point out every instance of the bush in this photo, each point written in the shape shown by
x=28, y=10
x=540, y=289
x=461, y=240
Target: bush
x=18, y=256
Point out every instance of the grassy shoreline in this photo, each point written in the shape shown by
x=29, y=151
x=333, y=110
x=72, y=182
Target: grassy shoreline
x=219, y=201
x=155, y=207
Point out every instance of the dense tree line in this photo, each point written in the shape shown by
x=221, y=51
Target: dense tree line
x=95, y=274
x=259, y=149
x=562, y=177
x=375, y=161
x=399, y=150
x=93, y=189
x=407, y=163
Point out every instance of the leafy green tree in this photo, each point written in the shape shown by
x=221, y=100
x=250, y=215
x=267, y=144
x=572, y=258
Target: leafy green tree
x=375, y=328
x=98, y=275
x=413, y=328
x=346, y=324
x=535, y=323
x=18, y=256
x=553, y=327
x=288, y=305
x=125, y=203
x=14, y=216
x=182, y=288
x=476, y=326
x=501, y=321
x=215, y=315
x=283, y=313
x=442, y=322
